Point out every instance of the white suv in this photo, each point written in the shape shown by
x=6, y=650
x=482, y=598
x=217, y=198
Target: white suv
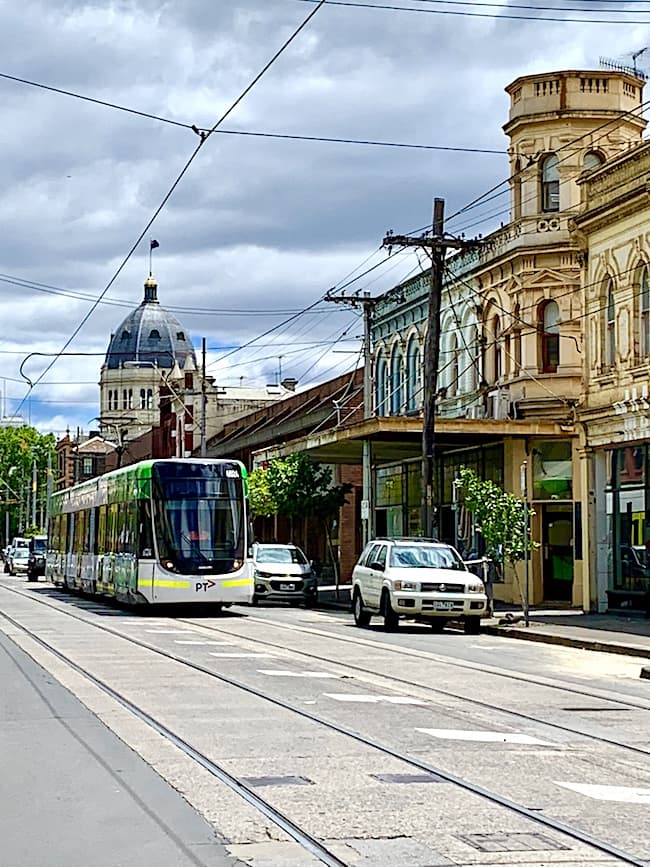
x=419, y=579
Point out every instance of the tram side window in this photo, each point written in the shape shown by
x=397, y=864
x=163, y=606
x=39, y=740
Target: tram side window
x=102, y=513
x=89, y=543
x=126, y=528
x=79, y=532
x=145, y=530
x=112, y=523
x=69, y=527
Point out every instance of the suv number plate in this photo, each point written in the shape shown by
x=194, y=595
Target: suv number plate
x=287, y=586
x=443, y=606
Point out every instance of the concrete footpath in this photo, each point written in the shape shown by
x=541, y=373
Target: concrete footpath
x=608, y=633
x=73, y=794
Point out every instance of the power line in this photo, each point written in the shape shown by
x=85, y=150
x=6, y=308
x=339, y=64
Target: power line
x=249, y=133
x=203, y=137
x=492, y=15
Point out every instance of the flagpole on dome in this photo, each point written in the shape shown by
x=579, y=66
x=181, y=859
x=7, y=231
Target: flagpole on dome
x=152, y=246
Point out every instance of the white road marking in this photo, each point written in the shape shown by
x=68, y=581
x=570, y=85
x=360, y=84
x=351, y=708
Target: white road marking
x=278, y=672
x=202, y=643
x=627, y=794
x=487, y=737
x=372, y=699
x=243, y=655
x=170, y=631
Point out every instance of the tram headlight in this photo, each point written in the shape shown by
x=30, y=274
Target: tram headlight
x=169, y=565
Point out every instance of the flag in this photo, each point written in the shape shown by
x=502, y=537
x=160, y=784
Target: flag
x=153, y=244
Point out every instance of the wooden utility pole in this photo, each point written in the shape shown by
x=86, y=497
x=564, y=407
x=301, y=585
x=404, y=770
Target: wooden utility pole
x=436, y=246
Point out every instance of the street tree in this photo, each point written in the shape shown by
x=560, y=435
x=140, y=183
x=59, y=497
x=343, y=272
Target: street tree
x=501, y=518
x=295, y=488
x=20, y=449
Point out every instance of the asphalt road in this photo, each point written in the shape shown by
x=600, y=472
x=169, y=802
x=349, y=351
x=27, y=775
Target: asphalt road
x=563, y=733
x=72, y=794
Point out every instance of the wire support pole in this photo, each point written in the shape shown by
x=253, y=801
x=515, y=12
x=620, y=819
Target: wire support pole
x=436, y=246
x=204, y=400
x=367, y=303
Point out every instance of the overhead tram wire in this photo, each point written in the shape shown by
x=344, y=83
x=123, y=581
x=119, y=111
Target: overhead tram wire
x=250, y=133
x=203, y=137
x=539, y=8
x=365, y=4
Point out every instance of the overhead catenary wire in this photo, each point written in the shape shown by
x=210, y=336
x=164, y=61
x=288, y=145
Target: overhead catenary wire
x=203, y=137
x=391, y=7
x=249, y=133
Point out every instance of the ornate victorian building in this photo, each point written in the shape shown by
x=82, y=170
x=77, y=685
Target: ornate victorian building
x=512, y=348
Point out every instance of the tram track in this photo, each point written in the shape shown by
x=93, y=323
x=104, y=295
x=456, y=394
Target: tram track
x=302, y=837
x=445, y=692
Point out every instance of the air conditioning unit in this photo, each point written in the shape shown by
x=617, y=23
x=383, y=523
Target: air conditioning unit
x=499, y=404
x=475, y=412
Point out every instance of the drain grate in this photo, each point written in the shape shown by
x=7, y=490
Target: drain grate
x=257, y=782
x=408, y=778
x=510, y=842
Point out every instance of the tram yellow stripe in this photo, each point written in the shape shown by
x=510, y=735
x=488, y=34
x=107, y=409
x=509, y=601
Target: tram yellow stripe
x=237, y=582
x=176, y=584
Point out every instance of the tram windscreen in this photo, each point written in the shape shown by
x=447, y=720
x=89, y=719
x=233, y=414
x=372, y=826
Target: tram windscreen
x=199, y=516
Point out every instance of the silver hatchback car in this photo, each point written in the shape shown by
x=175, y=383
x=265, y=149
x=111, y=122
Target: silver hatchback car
x=283, y=574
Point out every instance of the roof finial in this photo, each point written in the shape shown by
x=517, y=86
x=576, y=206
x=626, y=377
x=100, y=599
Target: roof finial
x=150, y=290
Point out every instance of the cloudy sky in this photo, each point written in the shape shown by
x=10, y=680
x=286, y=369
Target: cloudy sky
x=260, y=227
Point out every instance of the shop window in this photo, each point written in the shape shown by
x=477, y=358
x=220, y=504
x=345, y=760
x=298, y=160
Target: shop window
x=549, y=329
x=552, y=470
x=550, y=179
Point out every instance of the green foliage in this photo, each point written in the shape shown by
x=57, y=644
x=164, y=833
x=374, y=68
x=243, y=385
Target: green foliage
x=261, y=502
x=296, y=487
x=19, y=448
x=499, y=517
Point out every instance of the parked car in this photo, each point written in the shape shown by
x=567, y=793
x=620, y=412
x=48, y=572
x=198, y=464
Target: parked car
x=283, y=574
x=36, y=562
x=423, y=580
x=19, y=561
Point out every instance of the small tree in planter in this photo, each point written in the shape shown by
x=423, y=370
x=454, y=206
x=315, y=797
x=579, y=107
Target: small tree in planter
x=502, y=519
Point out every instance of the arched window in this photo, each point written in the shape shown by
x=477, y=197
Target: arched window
x=516, y=191
x=125, y=399
x=143, y=399
x=154, y=334
x=592, y=160
x=396, y=382
x=110, y=399
x=473, y=360
x=644, y=313
x=149, y=398
x=496, y=349
x=413, y=397
x=380, y=385
x=454, y=366
x=125, y=335
x=130, y=398
x=516, y=331
x=549, y=331
x=550, y=183
x=610, y=326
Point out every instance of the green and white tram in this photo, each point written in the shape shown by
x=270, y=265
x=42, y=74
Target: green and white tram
x=160, y=531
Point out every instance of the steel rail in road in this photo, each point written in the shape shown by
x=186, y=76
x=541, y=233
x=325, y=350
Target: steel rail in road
x=493, y=797
x=309, y=843
x=436, y=690
x=452, y=662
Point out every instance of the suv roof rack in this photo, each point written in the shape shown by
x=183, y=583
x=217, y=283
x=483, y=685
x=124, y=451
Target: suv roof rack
x=406, y=539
